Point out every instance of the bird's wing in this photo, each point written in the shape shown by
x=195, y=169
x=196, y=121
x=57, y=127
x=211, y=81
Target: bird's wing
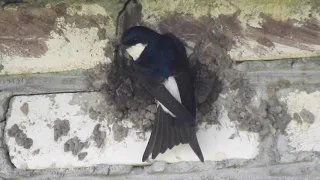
x=154, y=86
x=185, y=81
x=162, y=65
x=165, y=134
x=160, y=93
x=185, y=84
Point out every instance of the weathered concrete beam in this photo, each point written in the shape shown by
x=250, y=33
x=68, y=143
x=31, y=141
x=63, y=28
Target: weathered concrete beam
x=45, y=83
x=248, y=30
x=287, y=172
x=66, y=36
x=60, y=38
x=44, y=126
x=246, y=112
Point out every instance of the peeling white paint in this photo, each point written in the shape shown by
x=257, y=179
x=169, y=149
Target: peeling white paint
x=214, y=140
x=280, y=10
x=253, y=21
x=86, y=9
x=303, y=136
x=246, y=49
x=74, y=48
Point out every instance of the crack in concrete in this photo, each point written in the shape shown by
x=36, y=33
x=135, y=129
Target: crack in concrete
x=45, y=83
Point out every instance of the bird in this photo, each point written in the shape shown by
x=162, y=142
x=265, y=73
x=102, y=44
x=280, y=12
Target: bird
x=161, y=65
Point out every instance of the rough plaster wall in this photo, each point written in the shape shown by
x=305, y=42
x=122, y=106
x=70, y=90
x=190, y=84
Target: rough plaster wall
x=261, y=97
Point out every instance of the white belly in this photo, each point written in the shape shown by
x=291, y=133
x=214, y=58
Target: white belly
x=172, y=86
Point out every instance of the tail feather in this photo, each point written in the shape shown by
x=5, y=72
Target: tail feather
x=184, y=134
x=194, y=144
x=165, y=136
x=171, y=135
x=177, y=138
x=159, y=137
x=152, y=139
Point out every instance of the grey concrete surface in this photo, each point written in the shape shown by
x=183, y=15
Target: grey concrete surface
x=287, y=172
x=275, y=160
x=72, y=81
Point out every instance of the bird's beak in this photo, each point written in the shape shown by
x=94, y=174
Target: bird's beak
x=126, y=58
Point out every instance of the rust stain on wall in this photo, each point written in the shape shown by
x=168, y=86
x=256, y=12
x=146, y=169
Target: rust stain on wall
x=184, y=26
x=231, y=24
x=24, y=32
x=266, y=42
x=290, y=33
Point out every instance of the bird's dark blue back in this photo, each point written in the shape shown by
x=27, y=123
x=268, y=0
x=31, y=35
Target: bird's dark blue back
x=158, y=57
x=166, y=56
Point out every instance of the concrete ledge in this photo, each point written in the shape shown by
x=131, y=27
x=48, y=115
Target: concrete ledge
x=64, y=36
x=248, y=30
x=277, y=103
x=307, y=170
x=53, y=39
x=56, y=131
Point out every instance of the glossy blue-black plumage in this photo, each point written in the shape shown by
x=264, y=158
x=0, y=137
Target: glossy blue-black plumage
x=139, y=34
x=165, y=56
x=158, y=57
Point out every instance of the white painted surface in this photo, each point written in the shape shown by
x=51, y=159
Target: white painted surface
x=246, y=49
x=44, y=110
x=77, y=48
x=304, y=136
x=86, y=9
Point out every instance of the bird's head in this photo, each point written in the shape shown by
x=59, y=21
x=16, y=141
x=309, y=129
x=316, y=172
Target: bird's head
x=136, y=38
